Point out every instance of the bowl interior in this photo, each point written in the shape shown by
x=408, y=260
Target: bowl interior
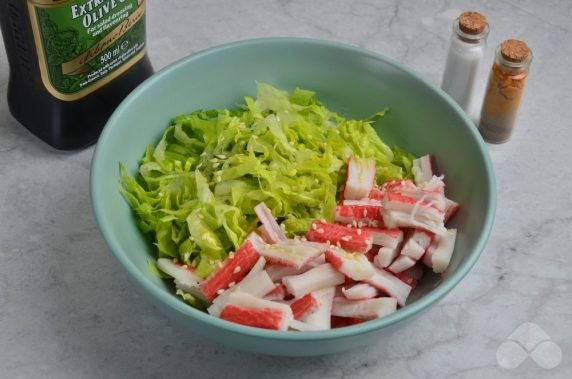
x=350, y=81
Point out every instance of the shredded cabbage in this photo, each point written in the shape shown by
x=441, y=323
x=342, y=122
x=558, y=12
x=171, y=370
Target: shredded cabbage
x=196, y=190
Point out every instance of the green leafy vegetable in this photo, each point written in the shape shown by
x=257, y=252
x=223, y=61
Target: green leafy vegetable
x=197, y=188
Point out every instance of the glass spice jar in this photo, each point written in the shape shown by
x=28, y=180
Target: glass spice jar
x=504, y=90
x=466, y=51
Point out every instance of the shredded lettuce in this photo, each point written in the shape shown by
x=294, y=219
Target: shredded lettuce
x=196, y=190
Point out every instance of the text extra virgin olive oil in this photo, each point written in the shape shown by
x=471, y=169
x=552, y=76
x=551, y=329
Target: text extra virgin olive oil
x=71, y=63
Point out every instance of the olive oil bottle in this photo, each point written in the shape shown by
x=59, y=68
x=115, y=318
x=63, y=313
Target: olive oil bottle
x=71, y=63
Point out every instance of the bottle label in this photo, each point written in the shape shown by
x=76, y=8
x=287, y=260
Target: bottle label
x=84, y=44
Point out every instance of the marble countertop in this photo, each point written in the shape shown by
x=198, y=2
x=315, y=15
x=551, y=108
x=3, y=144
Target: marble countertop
x=67, y=310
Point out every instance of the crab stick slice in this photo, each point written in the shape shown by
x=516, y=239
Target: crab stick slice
x=347, y=214
x=320, y=319
x=353, y=265
x=304, y=306
x=245, y=309
x=416, y=244
x=385, y=256
x=251, y=283
x=364, y=309
x=233, y=270
x=386, y=237
x=422, y=169
x=399, y=219
x=439, y=253
x=414, y=207
x=401, y=264
x=350, y=239
x=185, y=278
x=433, y=195
x=360, y=291
x=258, y=285
x=272, y=230
x=435, y=185
x=360, y=179
x=290, y=253
x=451, y=209
x=390, y=284
x=179, y=272
x=317, y=278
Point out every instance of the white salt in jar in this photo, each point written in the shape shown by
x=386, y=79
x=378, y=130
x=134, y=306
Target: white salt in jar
x=466, y=50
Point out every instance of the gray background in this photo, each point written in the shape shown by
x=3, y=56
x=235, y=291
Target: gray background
x=67, y=310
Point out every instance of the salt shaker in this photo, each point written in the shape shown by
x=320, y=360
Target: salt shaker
x=466, y=50
x=504, y=90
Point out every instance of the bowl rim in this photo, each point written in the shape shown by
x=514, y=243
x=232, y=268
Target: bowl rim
x=158, y=294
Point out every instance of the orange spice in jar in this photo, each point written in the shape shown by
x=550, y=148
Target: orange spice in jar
x=504, y=90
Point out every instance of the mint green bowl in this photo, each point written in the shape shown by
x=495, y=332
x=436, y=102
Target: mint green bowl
x=352, y=81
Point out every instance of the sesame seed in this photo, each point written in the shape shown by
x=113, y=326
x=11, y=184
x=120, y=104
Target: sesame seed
x=349, y=226
x=354, y=223
x=184, y=267
x=323, y=220
x=314, y=226
x=219, y=264
x=236, y=270
x=231, y=255
x=346, y=238
x=231, y=284
x=359, y=232
x=365, y=213
x=221, y=156
x=219, y=292
x=338, y=244
x=214, y=160
x=320, y=230
x=216, y=165
x=304, y=238
x=328, y=242
x=218, y=179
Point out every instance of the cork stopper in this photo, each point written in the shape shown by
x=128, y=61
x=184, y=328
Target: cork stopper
x=514, y=50
x=472, y=22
